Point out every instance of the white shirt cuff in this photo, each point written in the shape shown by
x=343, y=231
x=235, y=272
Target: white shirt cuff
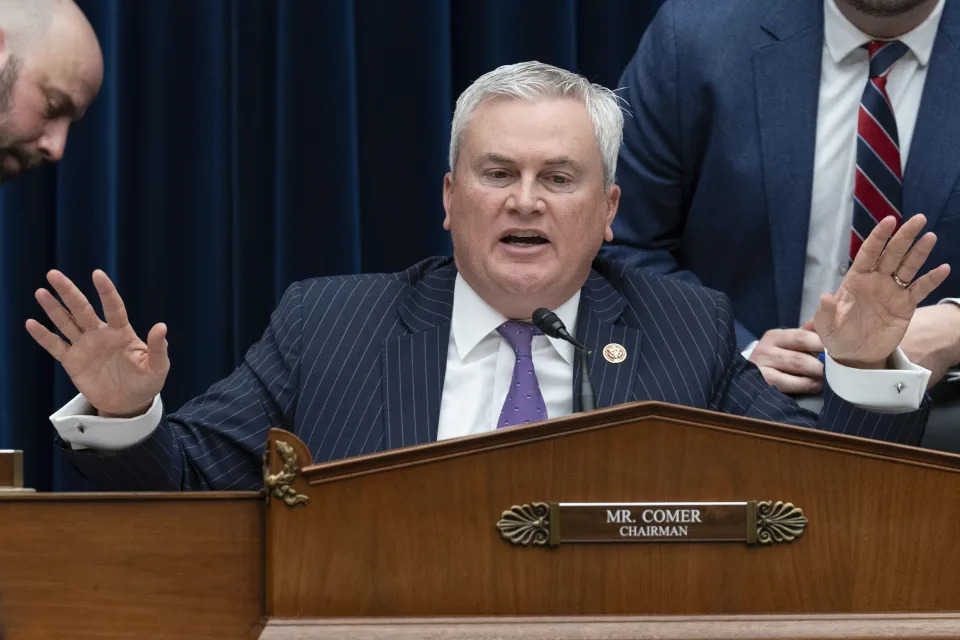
x=896, y=390
x=80, y=426
x=750, y=347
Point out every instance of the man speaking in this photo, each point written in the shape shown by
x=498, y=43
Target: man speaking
x=365, y=363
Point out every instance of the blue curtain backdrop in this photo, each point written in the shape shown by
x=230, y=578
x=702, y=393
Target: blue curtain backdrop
x=239, y=145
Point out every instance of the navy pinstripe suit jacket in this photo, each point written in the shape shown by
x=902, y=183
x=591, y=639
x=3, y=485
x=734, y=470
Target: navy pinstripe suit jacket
x=355, y=364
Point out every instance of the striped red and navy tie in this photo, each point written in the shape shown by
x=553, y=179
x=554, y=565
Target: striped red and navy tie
x=878, y=186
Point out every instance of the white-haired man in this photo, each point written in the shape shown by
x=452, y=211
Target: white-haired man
x=357, y=364
x=51, y=69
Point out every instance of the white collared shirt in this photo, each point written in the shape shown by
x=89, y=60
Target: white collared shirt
x=480, y=365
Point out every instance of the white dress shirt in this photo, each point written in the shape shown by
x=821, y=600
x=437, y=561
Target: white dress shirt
x=480, y=365
x=478, y=373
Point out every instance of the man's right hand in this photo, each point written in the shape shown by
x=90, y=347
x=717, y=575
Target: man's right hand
x=115, y=370
x=787, y=361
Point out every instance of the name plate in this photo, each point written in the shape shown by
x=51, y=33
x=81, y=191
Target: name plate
x=751, y=522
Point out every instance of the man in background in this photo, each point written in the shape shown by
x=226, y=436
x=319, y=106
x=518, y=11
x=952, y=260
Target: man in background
x=51, y=69
x=767, y=138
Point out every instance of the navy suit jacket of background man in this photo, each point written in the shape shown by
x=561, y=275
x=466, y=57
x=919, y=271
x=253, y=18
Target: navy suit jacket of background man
x=717, y=162
x=355, y=364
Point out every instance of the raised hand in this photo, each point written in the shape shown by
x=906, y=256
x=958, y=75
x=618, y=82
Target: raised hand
x=114, y=369
x=862, y=324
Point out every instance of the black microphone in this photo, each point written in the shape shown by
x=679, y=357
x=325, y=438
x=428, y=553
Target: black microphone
x=551, y=325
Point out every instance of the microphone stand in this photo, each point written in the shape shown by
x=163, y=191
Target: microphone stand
x=588, y=400
x=550, y=323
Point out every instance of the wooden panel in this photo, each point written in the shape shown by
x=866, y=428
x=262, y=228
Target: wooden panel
x=942, y=626
x=621, y=414
x=131, y=565
x=413, y=533
x=11, y=469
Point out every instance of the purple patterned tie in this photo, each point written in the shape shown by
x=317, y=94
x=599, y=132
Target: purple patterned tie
x=524, y=402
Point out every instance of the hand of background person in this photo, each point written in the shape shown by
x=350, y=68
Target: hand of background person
x=788, y=360
x=933, y=339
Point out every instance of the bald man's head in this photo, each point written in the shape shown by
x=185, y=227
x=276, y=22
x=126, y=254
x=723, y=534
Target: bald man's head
x=51, y=69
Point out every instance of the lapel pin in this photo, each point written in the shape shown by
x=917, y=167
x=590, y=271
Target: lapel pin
x=614, y=353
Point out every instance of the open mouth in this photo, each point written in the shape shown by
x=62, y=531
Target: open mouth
x=524, y=239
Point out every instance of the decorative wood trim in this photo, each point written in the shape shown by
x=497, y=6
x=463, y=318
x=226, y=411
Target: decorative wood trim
x=283, y=451
x=791, y=627
x=617, y=416
x=279, y=485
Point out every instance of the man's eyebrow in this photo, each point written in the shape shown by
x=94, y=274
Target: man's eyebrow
x=562, y=161
x=497, y=158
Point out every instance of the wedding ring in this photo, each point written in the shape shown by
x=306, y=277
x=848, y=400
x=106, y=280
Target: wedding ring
x=899, y=281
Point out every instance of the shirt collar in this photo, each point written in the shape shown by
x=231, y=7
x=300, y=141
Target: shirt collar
x=843, y=37
x=473, y=320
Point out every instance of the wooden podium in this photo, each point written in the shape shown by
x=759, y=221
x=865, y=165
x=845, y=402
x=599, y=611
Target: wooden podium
x=415, y=543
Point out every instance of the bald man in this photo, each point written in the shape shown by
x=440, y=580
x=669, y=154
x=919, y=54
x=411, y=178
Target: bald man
x=51, y=69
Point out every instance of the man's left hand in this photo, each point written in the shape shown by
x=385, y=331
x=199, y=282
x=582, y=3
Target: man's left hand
x=933, y=339
x=864, y=322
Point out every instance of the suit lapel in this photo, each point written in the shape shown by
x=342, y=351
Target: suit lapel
x=414, y=363
x=932, y=169
x=787, y=80
x=600, y=308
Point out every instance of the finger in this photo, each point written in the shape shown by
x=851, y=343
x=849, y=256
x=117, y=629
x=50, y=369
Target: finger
x=797, y=363
x=157, y=348
x=808, y=325
x=52, y=343
x=900, y=243
x=802, y=340
x=915, y=258
x=76, y=302
x=58, y=315
x=114, y=311
x=825, y=317
x=789, y=383
x=828, y=306
x=873, y=245
x=929, y=281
